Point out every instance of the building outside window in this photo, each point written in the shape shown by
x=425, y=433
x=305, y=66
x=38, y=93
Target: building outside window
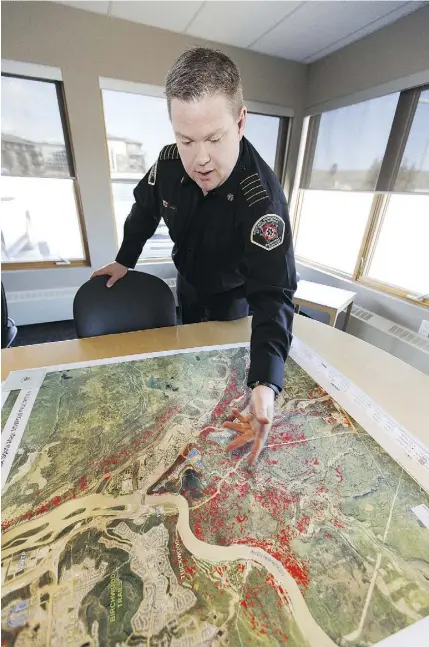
x=41, y=220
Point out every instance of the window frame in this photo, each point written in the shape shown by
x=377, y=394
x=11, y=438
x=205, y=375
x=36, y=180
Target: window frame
x=31, y=72
x=390, y=166
x=284, y=114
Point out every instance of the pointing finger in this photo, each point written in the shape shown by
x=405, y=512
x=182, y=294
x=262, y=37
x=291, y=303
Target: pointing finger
x=262, y=418
x=235, y=426
x=258, y=446
x=239, y=415
x=239, y=442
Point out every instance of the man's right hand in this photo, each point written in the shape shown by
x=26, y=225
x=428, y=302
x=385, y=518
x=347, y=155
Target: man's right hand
x=115, y=270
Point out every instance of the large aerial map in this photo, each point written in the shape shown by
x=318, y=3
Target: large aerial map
x=125, y=522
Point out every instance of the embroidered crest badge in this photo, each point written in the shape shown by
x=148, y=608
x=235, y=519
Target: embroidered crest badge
x=268, y=232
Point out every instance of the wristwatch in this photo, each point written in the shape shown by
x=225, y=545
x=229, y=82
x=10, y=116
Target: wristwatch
x=275, y=388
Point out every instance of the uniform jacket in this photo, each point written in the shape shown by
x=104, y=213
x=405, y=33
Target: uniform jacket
x=237, y=235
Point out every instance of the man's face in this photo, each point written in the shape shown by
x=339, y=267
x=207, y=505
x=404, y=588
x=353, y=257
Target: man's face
x=208, y=136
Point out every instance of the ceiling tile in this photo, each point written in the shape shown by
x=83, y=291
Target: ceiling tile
x=174, y=16
x=318, y=25
x=238, y=23
x=95, y=7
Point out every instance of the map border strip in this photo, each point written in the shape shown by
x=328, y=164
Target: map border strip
x=14, y=429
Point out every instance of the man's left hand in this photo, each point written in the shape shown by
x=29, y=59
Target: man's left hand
x=256, y=425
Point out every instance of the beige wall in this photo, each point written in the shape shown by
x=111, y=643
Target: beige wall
x=387, y=60
x=85, y=46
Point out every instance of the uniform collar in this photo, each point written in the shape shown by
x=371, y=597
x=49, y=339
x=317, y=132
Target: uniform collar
x=230, y=186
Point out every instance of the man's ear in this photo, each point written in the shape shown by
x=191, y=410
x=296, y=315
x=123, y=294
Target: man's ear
x=242, y=121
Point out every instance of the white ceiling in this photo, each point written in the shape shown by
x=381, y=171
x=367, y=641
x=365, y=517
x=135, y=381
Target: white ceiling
x=299, y=31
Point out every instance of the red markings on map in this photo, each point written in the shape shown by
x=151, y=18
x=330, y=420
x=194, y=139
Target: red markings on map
x=303, y=524
x=276, y=500
x=290, y=437
x=189, y=570
x=45, y=507
x=198, y=531
x=263, y=604
x=313, y=461
x=241, y=518
x=161, y=421
x=339, y=474
x=316, y=393
x=232, y=392
x=224, y=509
x=119, y=458
x=279, y=548
x=100, y=467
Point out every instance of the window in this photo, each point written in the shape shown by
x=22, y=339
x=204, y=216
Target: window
x=40, y=216
x=331, y=227
x=350, y=145
x=363, y=205
x=263, y=132
x=138, y=127
x=413, y=173
x=400, y=254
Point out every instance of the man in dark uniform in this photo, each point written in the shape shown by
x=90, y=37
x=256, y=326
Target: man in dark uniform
x=227, y=215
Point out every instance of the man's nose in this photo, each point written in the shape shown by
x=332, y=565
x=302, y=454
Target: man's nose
x=202, y=156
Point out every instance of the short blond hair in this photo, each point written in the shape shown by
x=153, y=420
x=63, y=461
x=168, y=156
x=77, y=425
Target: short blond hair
x=202, y=72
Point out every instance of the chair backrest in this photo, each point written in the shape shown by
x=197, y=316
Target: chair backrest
x=8, y=328
x=4, y=312
x=136, y=302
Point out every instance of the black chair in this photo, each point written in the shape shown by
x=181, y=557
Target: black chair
x=136, y=302
x=8, y=328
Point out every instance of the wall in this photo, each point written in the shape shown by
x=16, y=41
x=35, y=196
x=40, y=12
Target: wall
x=86, y=46
x=394, y=57
x=391, y=59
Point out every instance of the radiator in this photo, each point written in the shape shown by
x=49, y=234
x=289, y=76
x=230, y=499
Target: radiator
x=402, y=342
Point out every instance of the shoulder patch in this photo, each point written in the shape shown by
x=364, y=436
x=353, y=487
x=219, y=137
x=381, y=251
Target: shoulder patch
x=268, y=232
x=152, y=174
x=170, y=152
x=253, y=190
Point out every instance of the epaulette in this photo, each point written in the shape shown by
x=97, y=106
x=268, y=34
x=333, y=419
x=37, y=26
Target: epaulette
x=253, y=190
x=170, y=152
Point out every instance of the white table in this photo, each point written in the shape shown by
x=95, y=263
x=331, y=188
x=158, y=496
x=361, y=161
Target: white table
x=325, y=298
